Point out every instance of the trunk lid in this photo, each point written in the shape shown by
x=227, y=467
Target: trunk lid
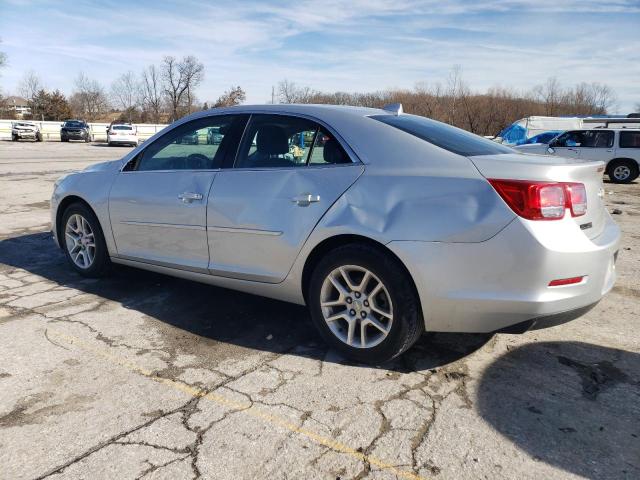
x=553, y=169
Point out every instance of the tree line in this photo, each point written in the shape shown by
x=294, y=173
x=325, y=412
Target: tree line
x=453, y=101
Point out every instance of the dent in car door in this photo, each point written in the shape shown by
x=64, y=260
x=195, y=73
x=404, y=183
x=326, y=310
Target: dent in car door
x=258, y=220
x=160, y=217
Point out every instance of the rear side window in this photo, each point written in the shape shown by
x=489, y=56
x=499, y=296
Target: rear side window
x=629, y=139
x=444, y=136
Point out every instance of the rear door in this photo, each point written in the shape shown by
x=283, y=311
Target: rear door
x=597, y=145
x=158, y=203
x=287, y=173
x=629, y=145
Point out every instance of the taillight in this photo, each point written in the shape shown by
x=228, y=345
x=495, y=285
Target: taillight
x=533, y=200
x=542, y=200
x=576, y=198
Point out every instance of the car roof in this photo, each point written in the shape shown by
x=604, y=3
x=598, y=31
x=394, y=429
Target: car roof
x=316, y=110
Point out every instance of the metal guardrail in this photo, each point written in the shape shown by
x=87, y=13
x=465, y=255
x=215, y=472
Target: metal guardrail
x=51, y=130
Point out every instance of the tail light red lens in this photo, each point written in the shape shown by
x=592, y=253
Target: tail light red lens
x=577, y=198
x=565, y=281
x=542, y=200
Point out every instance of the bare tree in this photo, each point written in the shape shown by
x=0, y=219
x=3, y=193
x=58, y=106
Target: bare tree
x=231, y=97
x=124, y=93
x=290, y=92
x=151, y=92
x=180, y=78
x=89, y=99
x=30, y=85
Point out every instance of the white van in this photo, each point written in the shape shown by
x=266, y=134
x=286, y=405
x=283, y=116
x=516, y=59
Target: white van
x=618, y=148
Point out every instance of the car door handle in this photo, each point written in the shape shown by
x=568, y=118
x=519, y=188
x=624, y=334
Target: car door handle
x=188, y=197
x=305, y=199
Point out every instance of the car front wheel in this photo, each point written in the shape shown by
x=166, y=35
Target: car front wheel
x=364, y=304
x=83, y=241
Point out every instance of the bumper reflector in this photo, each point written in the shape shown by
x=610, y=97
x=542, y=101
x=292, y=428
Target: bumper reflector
x=565, y=281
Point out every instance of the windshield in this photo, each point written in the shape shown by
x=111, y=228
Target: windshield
x=444, y=136
x=73, y=124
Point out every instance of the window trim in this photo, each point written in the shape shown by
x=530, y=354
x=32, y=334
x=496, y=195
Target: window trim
x=613, y=137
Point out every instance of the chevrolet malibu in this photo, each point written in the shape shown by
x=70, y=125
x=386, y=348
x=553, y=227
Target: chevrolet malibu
x=386, y=225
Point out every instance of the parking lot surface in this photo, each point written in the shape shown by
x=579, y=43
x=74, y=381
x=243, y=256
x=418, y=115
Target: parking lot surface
x=145, y=376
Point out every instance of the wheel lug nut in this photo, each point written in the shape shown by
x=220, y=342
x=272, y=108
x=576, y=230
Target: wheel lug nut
x=363, y=314
x=366, y=303
x=357, y=294
x=352, y=312
x=349, y=300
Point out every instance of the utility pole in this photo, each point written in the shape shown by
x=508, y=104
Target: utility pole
x=273, y=94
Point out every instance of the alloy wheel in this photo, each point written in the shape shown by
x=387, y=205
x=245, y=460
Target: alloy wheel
x=621, y=172
x=356, y=306
x=80, y=241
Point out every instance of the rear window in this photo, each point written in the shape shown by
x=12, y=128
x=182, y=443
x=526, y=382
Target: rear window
x=444, y=136
x=629, y=139
x=121, y=127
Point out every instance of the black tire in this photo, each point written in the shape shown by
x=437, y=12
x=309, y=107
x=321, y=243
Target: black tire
x=408, y=323
x=101, y=262
x=14, y=138
x=38, y=137
x=64, y=139
x=631, y=165
x=87, y=138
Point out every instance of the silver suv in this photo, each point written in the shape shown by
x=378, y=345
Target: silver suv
x=618, y=148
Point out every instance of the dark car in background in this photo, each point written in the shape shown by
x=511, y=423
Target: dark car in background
x=75, y=130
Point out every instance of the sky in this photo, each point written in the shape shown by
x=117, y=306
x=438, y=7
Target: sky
x=353, y=46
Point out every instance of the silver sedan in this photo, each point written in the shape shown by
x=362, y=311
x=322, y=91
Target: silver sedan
x=386, y=225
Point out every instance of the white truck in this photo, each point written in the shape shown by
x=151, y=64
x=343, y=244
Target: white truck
x=619, y=148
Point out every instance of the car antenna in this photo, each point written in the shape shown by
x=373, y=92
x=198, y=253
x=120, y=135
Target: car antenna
x=395, y=108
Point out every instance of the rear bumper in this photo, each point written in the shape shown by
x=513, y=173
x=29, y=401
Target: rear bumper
x=124, y=141
x=503, y=282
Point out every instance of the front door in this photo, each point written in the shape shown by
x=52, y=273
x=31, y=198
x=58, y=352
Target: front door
x=287, y=174
x=568, y=144
x=158, y=203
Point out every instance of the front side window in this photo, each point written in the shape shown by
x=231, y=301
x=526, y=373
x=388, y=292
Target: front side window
x=598, y=139
x=276, y=141
x=190, y=146
x=573, y=138
x=629, y=139
x=445, y=136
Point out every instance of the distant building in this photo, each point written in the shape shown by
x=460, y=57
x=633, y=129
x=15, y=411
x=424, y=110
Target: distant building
x=19, y=105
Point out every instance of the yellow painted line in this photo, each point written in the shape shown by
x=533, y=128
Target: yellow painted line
x=242, y=407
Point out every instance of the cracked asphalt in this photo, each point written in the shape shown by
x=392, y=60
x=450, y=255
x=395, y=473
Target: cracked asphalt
x=145, y=376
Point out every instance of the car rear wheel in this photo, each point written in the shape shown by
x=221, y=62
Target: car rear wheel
x=364, y=304
x=38, y=137
x=83, y=241
x=622, y=171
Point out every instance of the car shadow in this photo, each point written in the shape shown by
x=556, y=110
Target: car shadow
x=570, y=404
x=215, y=313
